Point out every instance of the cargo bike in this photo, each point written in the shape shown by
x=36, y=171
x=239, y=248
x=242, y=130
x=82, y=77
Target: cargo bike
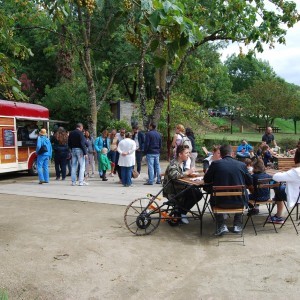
x=143, y=215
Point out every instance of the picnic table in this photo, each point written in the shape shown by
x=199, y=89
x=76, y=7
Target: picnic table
x=283, y=163
x=263, y=129
x=224, y=128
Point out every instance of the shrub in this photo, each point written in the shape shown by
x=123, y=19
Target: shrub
x=287, y=143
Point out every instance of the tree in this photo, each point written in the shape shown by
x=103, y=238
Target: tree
x=245, y=69
x=11, y=51
x=270, y=99
x=172, y=30
x=205, y=79
x=293, y=104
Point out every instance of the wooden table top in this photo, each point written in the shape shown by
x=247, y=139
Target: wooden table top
x=198, y=181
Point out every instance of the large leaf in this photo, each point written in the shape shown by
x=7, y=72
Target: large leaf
x=159, y=61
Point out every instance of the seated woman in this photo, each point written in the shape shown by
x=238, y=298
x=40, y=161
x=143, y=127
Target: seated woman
x=289, y=191
x=176, y=170
x=267, y=155
x=215, y=156
x=259, y=149
x=258, y=194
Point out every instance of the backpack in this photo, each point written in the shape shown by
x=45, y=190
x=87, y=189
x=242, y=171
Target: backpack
x=186, y=141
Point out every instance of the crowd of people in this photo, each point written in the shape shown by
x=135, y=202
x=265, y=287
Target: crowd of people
x=76, y=154
x=117, y=154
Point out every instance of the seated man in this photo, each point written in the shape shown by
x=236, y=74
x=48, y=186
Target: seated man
x=176, y=170
x=228, y=172
x=244, y=150
x=287, y=192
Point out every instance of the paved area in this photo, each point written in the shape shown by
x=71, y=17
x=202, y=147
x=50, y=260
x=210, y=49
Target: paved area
x=98, y=191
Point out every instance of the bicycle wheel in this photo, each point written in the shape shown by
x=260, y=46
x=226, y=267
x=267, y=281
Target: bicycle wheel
x=142, y=216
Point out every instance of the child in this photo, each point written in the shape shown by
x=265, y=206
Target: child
x=248, y=163
x=258, y=194
x=104, y=163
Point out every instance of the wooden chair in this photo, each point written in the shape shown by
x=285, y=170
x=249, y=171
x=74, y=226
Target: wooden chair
x=262, y=184
x=228, y=191
x=291, y=211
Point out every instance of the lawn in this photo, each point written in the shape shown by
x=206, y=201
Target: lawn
x=286, y=135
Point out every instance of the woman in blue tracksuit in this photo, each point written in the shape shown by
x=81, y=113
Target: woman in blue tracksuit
x=43, y=157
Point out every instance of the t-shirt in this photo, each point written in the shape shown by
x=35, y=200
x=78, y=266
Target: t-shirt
x=268, y=138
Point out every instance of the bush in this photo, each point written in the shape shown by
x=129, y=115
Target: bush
x=287, y=143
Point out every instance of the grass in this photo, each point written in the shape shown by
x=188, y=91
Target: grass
x=3, y=295
x=249, y=133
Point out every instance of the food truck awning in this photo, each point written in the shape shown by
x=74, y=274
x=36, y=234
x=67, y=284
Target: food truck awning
x=23, y=110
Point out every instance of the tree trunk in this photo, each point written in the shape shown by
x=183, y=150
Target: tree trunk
x=142, y=90
x=295, y=125
x=160, y=97
x=85, y=59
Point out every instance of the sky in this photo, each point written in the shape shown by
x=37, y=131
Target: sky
x=284, y=59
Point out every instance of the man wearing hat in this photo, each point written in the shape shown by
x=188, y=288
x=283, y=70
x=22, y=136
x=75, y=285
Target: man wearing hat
x=44, y=153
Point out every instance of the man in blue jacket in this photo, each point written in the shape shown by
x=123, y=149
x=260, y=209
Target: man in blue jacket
x=153, y=144
x=244, y=150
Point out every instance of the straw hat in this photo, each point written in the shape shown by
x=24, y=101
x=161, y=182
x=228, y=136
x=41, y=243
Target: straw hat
x=43, y=131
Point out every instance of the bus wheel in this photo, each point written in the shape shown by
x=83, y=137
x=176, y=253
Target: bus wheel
x=33, y=170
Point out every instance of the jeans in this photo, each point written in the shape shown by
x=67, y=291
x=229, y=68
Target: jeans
x=112, y=156
x=153, y=164
x=126, y=173
x=243, y=154
x=280, y=194
x=43, y=167
x=99, y=169
x=77, y=158
x=138, y=158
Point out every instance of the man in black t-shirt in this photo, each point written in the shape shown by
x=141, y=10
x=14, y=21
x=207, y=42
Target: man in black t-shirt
x=268, y=137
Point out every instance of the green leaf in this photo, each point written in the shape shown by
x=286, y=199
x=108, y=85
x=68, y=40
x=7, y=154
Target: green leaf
x=154, y=45
x=159, y=61
x=155, y=19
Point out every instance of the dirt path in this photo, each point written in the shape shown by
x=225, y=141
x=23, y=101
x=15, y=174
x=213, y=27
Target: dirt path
x=59, y=249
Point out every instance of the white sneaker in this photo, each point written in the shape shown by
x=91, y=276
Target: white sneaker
x=73, y=183
x=221, y=230
x=83, y=183
x=92, y=176
x=112, y=175
x=184, y=219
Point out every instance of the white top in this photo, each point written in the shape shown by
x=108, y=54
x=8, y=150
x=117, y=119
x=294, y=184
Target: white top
x=188, y=164
x=127, y=146
x=178, y=139
x=292, y=179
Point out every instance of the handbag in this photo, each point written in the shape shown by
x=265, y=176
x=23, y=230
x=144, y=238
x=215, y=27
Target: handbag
x=42, y=150
x=135, y=174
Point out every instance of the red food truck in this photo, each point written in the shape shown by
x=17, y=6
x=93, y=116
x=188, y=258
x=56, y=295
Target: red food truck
x=19, y=127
